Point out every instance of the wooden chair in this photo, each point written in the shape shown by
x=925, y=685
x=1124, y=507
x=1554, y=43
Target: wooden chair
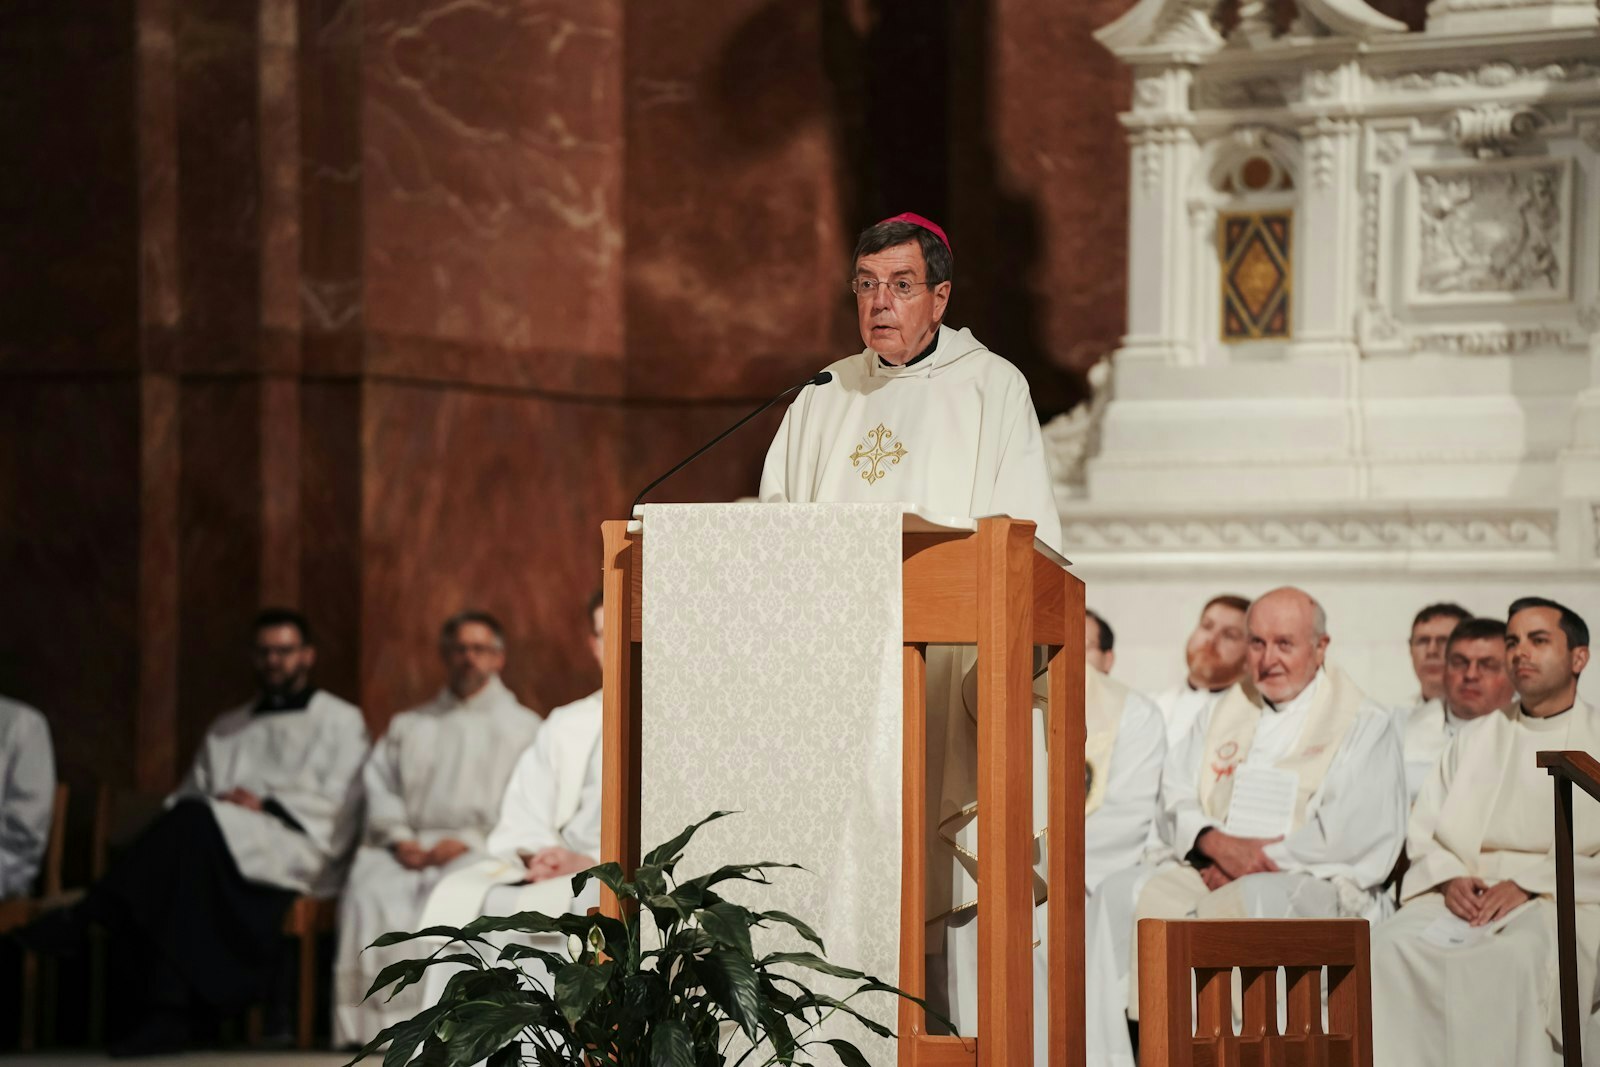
x=1170, y=951
x=22, y=910
x=308, y=919
x=120, y=815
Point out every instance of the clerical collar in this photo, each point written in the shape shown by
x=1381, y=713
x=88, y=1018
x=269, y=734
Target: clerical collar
x=1196, y=689
x=924, y=354
x=272, y=703
x=1526, y=717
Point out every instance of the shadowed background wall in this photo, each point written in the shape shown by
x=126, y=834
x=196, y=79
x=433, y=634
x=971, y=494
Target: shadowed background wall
x=379, y=307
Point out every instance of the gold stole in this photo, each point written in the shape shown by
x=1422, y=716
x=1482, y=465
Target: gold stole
x=1104, y=701
x=1233, y=727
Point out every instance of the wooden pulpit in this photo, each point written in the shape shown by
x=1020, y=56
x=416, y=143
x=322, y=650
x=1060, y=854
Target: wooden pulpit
x=996, y=588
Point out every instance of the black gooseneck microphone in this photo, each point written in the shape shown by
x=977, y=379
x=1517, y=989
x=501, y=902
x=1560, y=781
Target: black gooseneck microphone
x=820, y=378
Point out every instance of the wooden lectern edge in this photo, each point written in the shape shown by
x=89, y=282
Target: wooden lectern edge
x=625, y=552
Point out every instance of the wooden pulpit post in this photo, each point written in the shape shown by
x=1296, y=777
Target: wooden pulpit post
x=620, y=724
x=1065, y=736
x=1005, y=790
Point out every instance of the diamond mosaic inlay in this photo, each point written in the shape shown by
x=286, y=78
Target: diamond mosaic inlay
x=1257, y=275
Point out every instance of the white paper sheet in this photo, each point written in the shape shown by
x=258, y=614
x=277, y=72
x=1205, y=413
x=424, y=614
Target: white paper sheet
x=1263, y=801
x=1452, y=931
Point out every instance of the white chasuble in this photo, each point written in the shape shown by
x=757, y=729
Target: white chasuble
x=27, y=795
x=309, y=762
x=954, y=434
x=437, y=773
x=1487, y=812
x=771, y=686
x=1425, y=730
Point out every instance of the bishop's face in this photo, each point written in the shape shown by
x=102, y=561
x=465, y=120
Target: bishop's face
x=895, y=327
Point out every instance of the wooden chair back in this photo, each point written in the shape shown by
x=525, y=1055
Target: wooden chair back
x=50, y=870
x=1183, y=1025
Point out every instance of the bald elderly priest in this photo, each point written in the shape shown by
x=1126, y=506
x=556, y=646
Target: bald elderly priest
x=1292, y=805
x=1465, y=974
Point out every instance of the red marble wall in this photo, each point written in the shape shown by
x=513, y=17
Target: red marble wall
x=379, y=307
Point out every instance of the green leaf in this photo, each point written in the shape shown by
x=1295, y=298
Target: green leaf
x=518, y=951
x=607, y=874
x=482, y=1028
x=670, y=1045
x=407, y=972
x=810, y=961
x=527, y=922
x=825, y=1001
x=449, y=933
x=667, y=853
x=733, y=984
x=799, y=927
x=577, y=984
x=778, y=1033
x=730, y=925
x=848, y=1054
x=649, y=880
x=403, y=1038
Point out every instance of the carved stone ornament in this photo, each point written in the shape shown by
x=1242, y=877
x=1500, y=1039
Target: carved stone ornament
x=1494, y=75
x=1492, y=129
x=1532, y=530
x=1489, y=342
x=1495, y=229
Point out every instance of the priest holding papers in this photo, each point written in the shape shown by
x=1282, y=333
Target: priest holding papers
x=1465, y=974
x=1287, y=805
x=433, y=787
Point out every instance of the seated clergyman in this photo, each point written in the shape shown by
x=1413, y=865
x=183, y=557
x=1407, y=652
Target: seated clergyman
x=1287, y=805
x=1476, y=683
x=27, y=795
x=1465, y=974
x=268, y=812
x=1215, y=658
x=548, y=830
x=1099, y=642
x=433, y=787
x=1420, y=720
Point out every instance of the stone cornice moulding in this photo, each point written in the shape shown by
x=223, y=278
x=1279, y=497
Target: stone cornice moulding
x=1488, y=526
x=1154, y=29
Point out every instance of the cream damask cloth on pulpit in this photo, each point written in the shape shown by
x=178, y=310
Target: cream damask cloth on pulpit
x=771, y=685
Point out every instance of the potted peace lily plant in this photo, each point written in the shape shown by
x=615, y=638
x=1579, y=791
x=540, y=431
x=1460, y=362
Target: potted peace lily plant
x=613, y=1001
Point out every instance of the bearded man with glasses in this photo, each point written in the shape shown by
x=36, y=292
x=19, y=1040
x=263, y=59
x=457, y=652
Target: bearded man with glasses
x=926, y=415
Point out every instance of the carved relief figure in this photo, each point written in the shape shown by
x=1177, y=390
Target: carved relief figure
x=1492, y=231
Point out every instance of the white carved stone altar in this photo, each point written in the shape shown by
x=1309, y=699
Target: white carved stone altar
x=1363, y=346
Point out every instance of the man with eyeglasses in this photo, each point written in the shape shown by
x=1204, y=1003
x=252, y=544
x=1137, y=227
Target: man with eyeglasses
x=924, y=415
x=433, y=788
x=1422, y=722
x=268, y=812
x=1466, y=973
x=1476, y=682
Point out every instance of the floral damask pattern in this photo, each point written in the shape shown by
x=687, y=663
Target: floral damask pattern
x=771, y=685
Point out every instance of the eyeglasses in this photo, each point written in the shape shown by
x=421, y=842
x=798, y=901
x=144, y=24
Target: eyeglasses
x=899, y=288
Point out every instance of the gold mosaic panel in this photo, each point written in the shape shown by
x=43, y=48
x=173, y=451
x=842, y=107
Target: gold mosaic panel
x=1257, y=273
